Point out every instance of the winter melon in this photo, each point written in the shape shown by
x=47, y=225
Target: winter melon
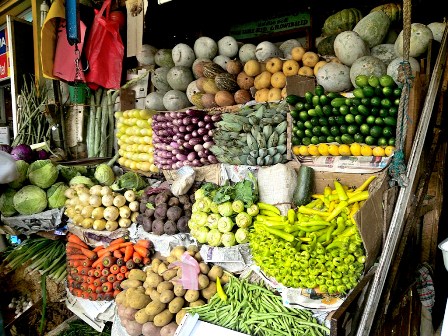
x=164, y=58
x=334, y=77
x=367, y=65
x=266, y=50
x=385, y=52
x=228, y=46
x=178, y=77
x=394, y=67
x=437, y=29
x=159, y=79
x=247, y=52
x=421, y=36
x=191, y=90
x=183, y=55
x=146, y=56
x=221, y=60
x=205, y=47
x=175, y=100
x=349, y=46
x=154, y=101
x=373, y=28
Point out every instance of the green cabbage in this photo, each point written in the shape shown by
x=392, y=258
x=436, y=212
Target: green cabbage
x=30, y=200
x=81, y=180
x=69, y=172
x=228, y=239
x=214, y=237
x=242, y=236
x=225, y=224
x=129, y=180
x=104, y=174
x=55, y=195
x=43, y=173
x=238, y=206
x=225, y=209
x=243, y=220
x=7, y=208
x=22, y=168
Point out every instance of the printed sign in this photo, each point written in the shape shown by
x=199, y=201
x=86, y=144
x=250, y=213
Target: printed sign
x=275, y=25
x=4, y=65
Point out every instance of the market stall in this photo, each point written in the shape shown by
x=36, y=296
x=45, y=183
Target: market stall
x=241, y=185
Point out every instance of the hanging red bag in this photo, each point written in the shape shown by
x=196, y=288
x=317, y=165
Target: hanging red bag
x=104, y=51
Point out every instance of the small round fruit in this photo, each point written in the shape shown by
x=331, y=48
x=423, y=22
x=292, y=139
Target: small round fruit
x=242, y=96
x=323, y=149
x=313, y=150
x=344, y=150
x=333, y=149
x=378, y=151
x=297, y=53
x=355, y=149
x=303, y=150
x=366, y=150
x=290, y=67
x=389, y=150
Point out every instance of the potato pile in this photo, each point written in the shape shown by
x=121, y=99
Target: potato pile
x=100, y=208
x=163, y=213
x=151, y=302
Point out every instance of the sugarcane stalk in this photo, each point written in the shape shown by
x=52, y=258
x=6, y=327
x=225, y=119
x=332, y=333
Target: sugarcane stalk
x=104, y=122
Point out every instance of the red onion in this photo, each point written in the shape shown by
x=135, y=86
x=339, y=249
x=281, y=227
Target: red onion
x=216, y=117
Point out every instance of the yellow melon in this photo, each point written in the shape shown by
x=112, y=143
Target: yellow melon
x=278, y=80
x=290, y=67
x=297, y=53
x=262, y=95
x=274, y=94
x=263, y=80
x=252, y=68
x=306, y=71
x=310, y=59
x=274, y=65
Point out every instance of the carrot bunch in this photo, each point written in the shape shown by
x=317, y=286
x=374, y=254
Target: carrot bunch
x=96, y=273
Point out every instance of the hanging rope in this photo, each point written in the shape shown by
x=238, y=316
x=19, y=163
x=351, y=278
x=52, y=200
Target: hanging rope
x=397, y=169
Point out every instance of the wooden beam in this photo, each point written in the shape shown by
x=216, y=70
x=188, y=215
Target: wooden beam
x=35, y=7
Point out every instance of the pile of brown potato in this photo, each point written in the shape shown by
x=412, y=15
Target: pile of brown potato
x=152, y=303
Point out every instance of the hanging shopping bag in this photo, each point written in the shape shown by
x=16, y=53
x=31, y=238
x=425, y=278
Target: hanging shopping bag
x=65, y=57
x=104, y=51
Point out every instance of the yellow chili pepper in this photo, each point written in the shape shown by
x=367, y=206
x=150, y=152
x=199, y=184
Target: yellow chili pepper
x=222, y=295
x=340, y=191
x=268, y=213
x=366, y=183
x=353, y=210
x=327, y=191
x=337, y=210
x=308, y=211
x=361, y=196
x=291, y=216
x=270, y=207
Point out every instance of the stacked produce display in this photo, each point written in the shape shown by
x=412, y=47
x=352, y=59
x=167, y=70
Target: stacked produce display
x=316, y=246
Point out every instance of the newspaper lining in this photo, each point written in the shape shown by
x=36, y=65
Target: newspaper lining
x=43, y=221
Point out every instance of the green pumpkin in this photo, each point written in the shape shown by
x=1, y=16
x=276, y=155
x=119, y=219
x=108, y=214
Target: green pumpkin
x=392, y=10
x=326, y=46
x=341, y=21
x=226, y=82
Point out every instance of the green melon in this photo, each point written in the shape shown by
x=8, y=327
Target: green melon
x=159, y=79
x=164, y=58
x=326, y=45
x=373, y=28
x=341, y=21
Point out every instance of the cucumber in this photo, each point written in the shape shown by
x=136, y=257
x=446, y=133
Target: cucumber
x=305, y=186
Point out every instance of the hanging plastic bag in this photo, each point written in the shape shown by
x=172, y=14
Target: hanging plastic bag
x=104, y=51
x=65, y=56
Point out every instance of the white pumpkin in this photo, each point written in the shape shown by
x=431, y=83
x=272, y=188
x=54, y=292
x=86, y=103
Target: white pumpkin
x=164, y=58
x=146, y=56
x=183, y=55
x=421, y=36
x=205, y=47
x=394, y=67
x=349, y=46
x=159, y=80
x=385, y=52
x=247, y=52
x=266, y=50
x=175, y=100
x=437, y=29
x=154, y=101
x=178, y=77
x=334, y=77
x=287, y=46
x=367, y=65
x=191, y=90
x=222, y=60
x=228, y=46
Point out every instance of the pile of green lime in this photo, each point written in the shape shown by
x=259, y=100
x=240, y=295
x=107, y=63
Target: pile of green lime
x=369, y=117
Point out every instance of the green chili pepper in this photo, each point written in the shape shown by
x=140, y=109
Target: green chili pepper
x=282, y=234
x=343, y=268
x=337, y=210
x=329, y=265
x=362, y=259
x=336, y=274
x=329, y=282
x=337, y=282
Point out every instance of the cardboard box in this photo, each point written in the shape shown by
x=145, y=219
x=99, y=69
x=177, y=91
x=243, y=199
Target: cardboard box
x=370, y=218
